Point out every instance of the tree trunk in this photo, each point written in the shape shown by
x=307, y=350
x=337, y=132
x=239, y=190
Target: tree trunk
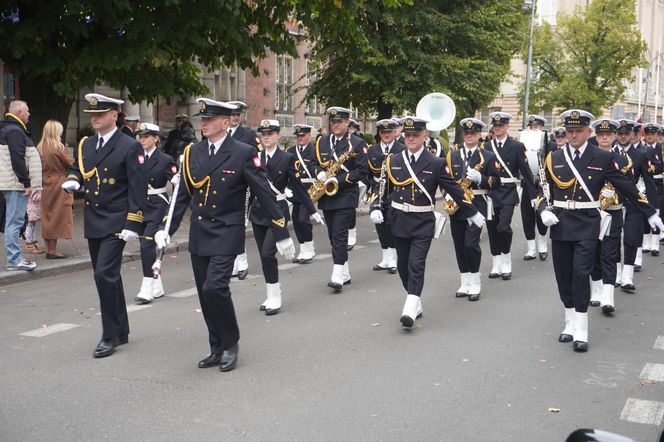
x=45, y=104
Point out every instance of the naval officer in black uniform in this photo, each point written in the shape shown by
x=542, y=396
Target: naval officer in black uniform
x=159, y=169
x=654, y=152
x=339, y=209
x=576, y=175
x=511, y=155
x=109, y=167
x=477, y=169
x=416, y=175
x=303, y=151
x=213, y=183
x=378, y=182
x=281, y=169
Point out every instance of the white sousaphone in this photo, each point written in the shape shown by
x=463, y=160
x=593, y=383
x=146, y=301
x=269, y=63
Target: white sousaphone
x=534, y=140
x=438, y=109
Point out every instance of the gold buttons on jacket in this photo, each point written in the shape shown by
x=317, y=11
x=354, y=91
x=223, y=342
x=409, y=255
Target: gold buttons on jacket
x=200, y=204
x=200, y=217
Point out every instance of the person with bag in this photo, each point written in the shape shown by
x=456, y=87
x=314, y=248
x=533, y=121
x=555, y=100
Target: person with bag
x=576, y=175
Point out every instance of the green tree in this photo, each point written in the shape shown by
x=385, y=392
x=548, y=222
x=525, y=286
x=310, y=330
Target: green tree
x=460, y=48
x=584, y=60
x=152, y=47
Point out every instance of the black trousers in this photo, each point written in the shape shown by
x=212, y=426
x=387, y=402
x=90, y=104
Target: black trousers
x=353, y=221
x=106, y=255
x=466, y=245
x=148, y=247
x=212, y=275
x=267, y=247
x=302, y=224
x=338, y=222
x=606, y=267
x=572, y=263
x=529, y=219
x=632, y=234
x=411, y=262
x=500, y=230
x=384, y=230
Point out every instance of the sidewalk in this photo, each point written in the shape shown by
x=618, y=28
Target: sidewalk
x=78, y=257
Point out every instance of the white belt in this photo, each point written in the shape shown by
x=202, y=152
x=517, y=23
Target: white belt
x=308, y=180
x=281, y=197
x=615, y=207
x=658, y=177
x=376, y=179
x=411, y=208
x=479, y=191
x=153, y=191
x=576, y=205
x=509, y=180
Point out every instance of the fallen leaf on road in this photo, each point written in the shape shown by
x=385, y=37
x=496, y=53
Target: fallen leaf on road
x=375, y=324
x=44, y=325
x=464, y=360
x=542, y=360
x=554, y=410
x=198, y=310
x=371, y=291
x=649, y=382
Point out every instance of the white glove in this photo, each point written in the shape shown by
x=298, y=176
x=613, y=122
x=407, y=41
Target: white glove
x=608, y=193
x=474, y=175
x=288, y=193
x=448, y=197
x=655, y=222
x=477, y=219
x=376, y=217
x=317, y=219
x=176, y=179
x=322, y=176
x=362, y=185
x=128, y=235
x=286, y=248
x=161, y=238
x=549, y=218
x=70, y=186
x=533, y=202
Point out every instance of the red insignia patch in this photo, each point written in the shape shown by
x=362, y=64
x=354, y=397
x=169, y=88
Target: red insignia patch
x=257, y=162
x=141, y=158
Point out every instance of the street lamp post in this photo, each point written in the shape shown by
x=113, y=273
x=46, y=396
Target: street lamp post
x=529, y=64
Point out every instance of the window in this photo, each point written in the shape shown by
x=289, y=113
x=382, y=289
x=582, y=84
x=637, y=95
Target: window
x=283, y=84
x=284, y=120
x=9, y=87
x=484, y=115
x=316, y=122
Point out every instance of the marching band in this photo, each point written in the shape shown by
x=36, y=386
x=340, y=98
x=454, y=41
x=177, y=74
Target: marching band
x=587, y=193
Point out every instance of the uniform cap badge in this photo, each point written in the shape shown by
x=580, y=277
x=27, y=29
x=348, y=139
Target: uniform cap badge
x=265, y=123
x=575, y=115
x=469, y=123
x=93, y=101
x=202, y=106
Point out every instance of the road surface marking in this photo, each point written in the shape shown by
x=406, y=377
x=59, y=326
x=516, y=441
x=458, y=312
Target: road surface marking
x=373, y=241
x=288, y=266
x=643, y=412
x=659, y=343
x=135, y=308
x=45, y=331
x=183, y=293
x=653, y=372
x=322, y=256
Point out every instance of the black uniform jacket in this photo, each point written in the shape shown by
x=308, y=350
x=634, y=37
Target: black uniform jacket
x=640, y=166
x=113, y=182
x=215, y=190
x=596, y=166
x=349, y=191
x=513, y=153
x=282, y=173
x=432, y=173
x=304, y=166
x=376, y=158
x=485, y=163
x=617, y=219
x=246, y=135
x=158, y=171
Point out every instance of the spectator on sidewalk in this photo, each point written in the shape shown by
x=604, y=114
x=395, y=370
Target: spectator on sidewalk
x=34, y=215
x=20, y=173
x=174, y=135
x=56, y=206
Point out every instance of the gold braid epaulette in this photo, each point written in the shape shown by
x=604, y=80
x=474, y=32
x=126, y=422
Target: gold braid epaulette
x=448, y=158
x=189, y=179
x=323, y=165
x=392, y=179
x=559, y=183
x=91, y=172
x=371, y=166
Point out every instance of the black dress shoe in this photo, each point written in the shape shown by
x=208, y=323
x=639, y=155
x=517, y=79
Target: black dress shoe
x=296, y=261
x=262, y=308
x=494, y=275
x=335, y=286
x=142, y=301
x=378, y=268
x=349, y=248
x=646, y=251
x=564, y=337
x=55, y=256
x=580, y=346
x=460, y=295
x=106, y=347
x=407, y=321
x=392, y=270
x=506, y=276
x=475, y=297
x=654, y=252
x=123, y=340
x=637, y=268
x=229, y=358
x=211, y=361
x=272, y=311
x=608, y=309
x=543, y=256
x=528, y=258
x=242, y=274
x=306, y=261
x=594, y=303
x=628, y=287
x=347, y=282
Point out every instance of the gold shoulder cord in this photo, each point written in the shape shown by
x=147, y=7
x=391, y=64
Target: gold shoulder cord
x=86, y=175
x=626, y=169
x=318, y=153
x=448, y=157
x=561, y=184
x=371, y=166
x=392, y=179
x=190, y=179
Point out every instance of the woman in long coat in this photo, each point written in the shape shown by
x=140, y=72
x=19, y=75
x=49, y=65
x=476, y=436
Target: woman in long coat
x=56, y=206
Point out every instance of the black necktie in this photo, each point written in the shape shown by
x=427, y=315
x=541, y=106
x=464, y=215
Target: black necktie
x=412, y=159
x=500, y=144
x=577, y=155
x=211, y=150
x=147, y=157
x=267, y=158
x=101, y=143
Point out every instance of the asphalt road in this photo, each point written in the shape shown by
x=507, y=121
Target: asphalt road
x=334, y=366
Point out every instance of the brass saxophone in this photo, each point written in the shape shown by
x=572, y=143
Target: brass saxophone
x=330, y=186
x=450, y=206
x=604, y=202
